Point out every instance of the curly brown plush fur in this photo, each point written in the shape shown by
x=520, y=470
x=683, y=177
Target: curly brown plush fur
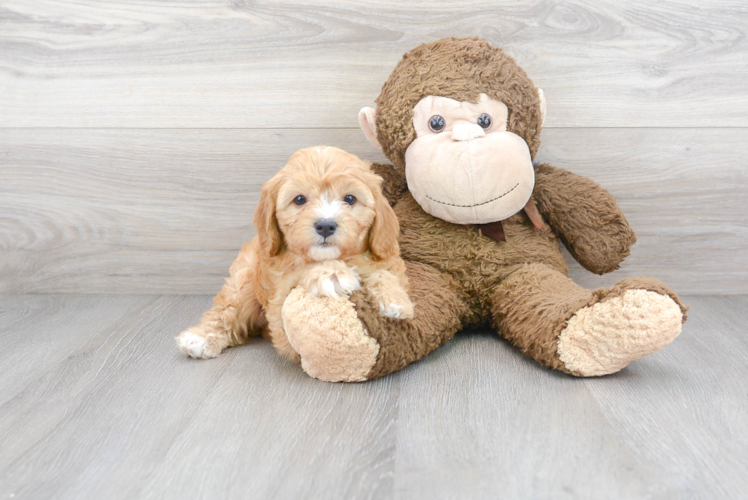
x=459, y=69
x=461, y=278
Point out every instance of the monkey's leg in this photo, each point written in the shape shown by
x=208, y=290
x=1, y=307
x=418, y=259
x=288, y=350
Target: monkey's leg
x=342, y=340
x=585, y=333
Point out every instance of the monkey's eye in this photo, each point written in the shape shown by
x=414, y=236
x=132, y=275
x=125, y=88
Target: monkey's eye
x=350, y=199
x=299, y=200
x=484, y=121
x=436, y=123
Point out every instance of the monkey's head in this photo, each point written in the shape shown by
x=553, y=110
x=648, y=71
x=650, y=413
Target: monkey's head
x=461, y=120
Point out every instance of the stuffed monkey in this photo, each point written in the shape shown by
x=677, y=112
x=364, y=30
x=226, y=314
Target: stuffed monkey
x=480, y=229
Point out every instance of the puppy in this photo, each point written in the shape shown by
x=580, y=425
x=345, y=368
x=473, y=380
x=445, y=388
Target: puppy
x=322, y=223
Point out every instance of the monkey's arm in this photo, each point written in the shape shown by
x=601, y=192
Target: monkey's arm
x=585, y=216
x=394, y=185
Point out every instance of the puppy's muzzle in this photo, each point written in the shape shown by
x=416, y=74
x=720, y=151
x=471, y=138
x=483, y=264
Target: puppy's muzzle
x=325, y=227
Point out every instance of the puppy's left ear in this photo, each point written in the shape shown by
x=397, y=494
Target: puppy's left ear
x=383, y=233
x=268, y=232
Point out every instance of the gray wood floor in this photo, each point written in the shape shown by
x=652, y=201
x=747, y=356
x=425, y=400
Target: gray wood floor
x=96, y=402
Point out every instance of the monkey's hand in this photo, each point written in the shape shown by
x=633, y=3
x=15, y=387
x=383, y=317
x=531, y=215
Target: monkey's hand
x=585, y=216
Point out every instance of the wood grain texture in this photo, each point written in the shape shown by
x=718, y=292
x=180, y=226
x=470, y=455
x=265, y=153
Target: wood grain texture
x=165, y=211
x=494, y=425
x=223, y=63
x=97, y=402
x=134, y=138
x=121, y=413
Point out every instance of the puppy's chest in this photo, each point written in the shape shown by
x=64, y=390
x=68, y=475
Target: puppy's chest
x=277, y=281
x=461, y=250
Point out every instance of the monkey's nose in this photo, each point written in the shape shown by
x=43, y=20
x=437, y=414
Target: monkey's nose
x=467, y=131
x=325, y=227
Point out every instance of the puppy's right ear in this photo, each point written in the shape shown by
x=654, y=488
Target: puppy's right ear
x=268, y=232
x=367, y=120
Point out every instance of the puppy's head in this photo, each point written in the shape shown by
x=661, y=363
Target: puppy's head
x=326, y=204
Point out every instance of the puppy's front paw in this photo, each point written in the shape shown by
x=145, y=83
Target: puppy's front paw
x=196, y=345
x=402, y=308
x=331, y=279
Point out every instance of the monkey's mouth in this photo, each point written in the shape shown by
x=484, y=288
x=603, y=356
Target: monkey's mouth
x=477, y=204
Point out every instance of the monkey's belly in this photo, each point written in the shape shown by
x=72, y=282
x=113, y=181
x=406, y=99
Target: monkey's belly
x=475, y=261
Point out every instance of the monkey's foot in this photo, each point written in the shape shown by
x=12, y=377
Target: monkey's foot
x=605, y=337
x=333, y=343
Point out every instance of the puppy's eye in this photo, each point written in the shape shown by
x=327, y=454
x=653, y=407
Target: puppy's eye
x=350, y=199
x=299, y=200
x=436, y=123
x=484, y=121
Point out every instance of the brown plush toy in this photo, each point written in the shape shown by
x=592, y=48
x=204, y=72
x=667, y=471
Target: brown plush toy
x=480, y=229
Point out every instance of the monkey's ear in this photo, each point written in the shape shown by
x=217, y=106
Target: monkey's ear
x=367, y=120
x=542, y=106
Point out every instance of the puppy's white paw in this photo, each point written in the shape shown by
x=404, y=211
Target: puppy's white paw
x=331, y=279
x=195, y=345
x=402, y=309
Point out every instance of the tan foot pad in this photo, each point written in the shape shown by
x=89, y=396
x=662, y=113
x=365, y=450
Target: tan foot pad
x=326, y=332
x=605, y=337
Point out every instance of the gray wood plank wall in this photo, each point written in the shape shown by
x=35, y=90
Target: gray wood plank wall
x=135, y=135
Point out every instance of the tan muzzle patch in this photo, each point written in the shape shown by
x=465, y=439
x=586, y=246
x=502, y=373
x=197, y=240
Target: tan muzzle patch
x=477, y=180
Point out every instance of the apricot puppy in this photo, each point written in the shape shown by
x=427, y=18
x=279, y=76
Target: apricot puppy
x=322, y=224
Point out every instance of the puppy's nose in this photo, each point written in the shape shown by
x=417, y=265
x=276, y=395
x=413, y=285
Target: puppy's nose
x=325, y=227
x=467, y=131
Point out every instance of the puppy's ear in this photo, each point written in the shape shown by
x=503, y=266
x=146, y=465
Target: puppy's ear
x=268, y=232
x=383, y=233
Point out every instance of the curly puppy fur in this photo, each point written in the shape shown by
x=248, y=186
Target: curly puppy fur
x=318, y=184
